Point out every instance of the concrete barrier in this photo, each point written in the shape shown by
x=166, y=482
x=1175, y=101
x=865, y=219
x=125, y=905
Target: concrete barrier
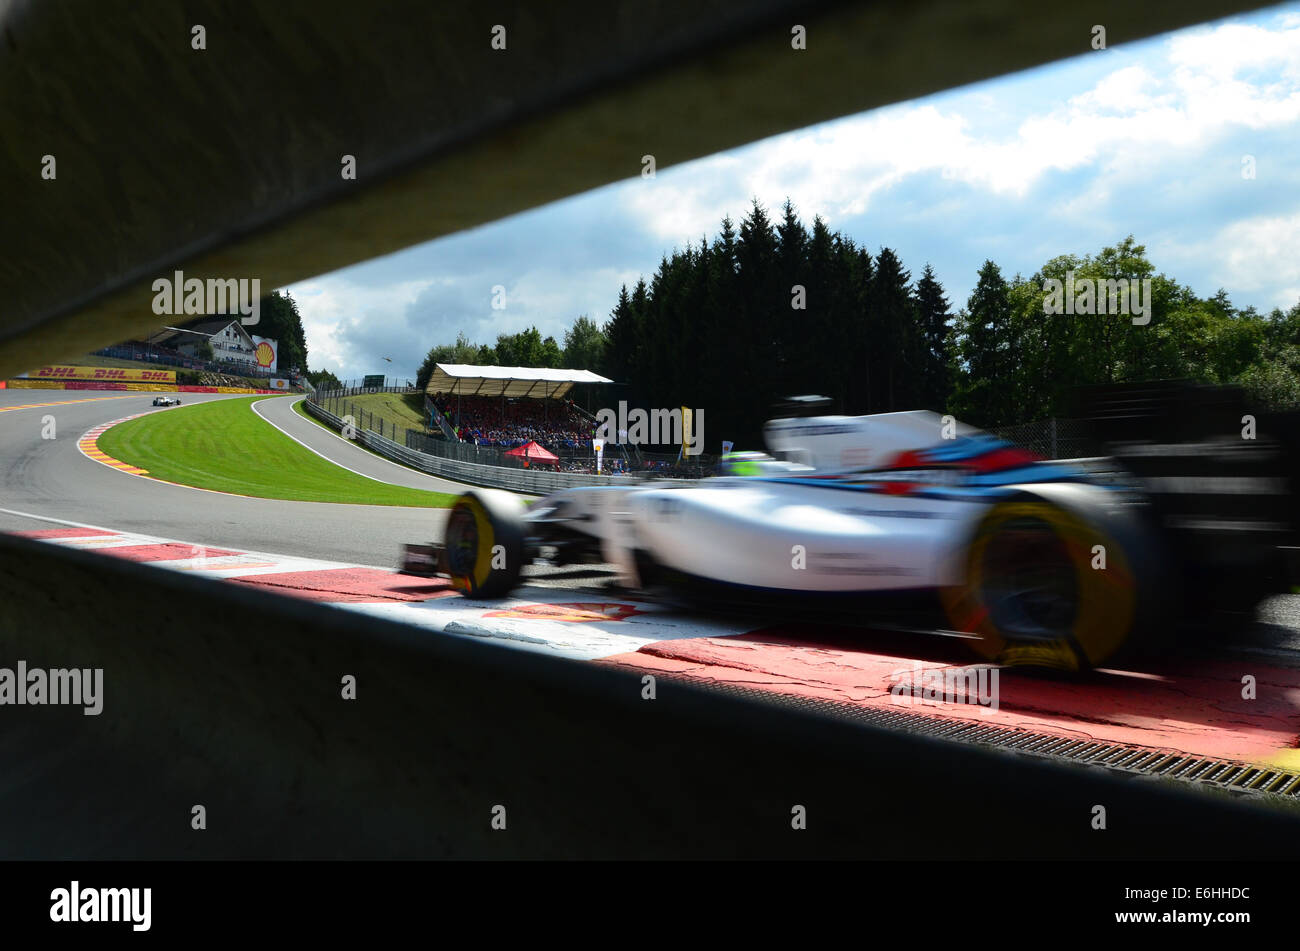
x=231, y=699
x=532, y=481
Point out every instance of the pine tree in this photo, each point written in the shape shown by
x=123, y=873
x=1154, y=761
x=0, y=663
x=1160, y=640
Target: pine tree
x=763, y=306
x=895, y=337
x=279, y=320
x=933, y=317
x=981, y=347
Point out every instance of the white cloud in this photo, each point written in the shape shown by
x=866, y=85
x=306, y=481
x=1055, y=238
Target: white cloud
x=1052, y=159
x=1259, y=253
x=1212, y=81
x=331, y=306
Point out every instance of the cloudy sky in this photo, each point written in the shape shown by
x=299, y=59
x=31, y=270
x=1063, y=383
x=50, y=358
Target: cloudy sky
x=1149, y=138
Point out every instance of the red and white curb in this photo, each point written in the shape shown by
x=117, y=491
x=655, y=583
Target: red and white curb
x=1188, y=707
x=546, y=620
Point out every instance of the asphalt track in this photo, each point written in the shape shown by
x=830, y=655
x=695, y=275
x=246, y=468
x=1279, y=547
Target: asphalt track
x=1189, y=705
x=51, y=478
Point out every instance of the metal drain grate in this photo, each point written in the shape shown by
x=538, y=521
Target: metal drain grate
x=1242, y=778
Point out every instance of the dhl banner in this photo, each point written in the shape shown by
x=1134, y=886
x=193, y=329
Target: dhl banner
x=114, y=374
x=29, y=384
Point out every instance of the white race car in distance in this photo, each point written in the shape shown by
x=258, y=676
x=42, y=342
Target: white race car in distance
x=166, y=401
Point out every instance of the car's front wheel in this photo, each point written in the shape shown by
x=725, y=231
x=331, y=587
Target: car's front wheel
x=484, y=542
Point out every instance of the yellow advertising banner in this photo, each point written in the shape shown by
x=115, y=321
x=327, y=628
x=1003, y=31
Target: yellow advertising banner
x=35, y=385
x=687, y=422
x=112, y=374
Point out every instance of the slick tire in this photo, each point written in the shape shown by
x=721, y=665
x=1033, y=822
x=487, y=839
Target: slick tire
x=484, y=542
x=1059, y=576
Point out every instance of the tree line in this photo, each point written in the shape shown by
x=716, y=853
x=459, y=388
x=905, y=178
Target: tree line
x=773, y=308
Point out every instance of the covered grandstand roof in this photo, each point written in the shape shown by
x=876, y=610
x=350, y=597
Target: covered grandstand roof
x=466, y=380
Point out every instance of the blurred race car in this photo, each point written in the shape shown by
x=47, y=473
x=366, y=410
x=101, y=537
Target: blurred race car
x=166, y=401
x=1045, y=563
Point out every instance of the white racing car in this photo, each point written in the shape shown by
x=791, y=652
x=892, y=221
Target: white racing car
x=1057, y=564
x=166, y=401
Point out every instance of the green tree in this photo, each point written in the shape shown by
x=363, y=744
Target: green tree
x=324, y=380
x=279, y=320
x=620, y=340
x=981, y=350
x=584, y=344
x=933, y=319
x=896, y=343
x=462, y=351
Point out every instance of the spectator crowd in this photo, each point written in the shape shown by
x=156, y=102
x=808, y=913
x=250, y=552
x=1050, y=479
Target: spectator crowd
x=486, y=421
x=556, y=425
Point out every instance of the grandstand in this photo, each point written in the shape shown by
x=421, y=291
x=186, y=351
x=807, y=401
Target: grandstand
x=485, y=421
x=511, y=406
x=479, y=414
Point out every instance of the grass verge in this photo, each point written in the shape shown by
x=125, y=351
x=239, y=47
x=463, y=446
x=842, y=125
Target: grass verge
x=402, y=410
x=298, y=408
x=224, y=445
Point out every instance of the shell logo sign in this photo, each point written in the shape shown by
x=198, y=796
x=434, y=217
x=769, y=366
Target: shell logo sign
x=264, y=353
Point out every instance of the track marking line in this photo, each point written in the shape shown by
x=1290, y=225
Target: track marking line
x=89, y=399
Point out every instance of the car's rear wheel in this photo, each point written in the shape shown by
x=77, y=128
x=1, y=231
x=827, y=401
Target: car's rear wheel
x=1052, y=585
x=484, y=542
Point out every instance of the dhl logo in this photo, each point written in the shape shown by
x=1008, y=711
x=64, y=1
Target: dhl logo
x=106, y=373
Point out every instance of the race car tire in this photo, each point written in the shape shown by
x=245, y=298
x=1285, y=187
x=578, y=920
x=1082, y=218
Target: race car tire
x=1059, y=576
x=484, y=542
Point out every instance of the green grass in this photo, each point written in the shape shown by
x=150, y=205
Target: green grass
x=405, y=410
x=298, y=408
x=224, y=445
